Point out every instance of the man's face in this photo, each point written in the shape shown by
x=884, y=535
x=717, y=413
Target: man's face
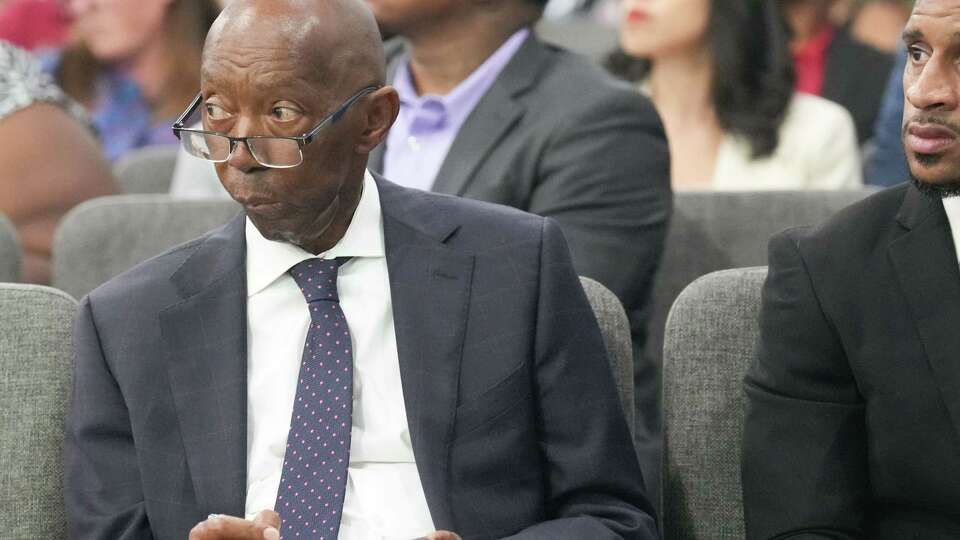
x=259, y=86
x=931, y=84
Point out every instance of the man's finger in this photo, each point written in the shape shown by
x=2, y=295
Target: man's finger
x=270, y=520
x=442, y=535
x=221, y=527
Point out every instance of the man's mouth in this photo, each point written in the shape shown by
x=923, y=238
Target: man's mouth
x=928, y=138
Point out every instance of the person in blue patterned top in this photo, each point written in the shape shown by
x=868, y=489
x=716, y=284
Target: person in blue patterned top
x=49, y=156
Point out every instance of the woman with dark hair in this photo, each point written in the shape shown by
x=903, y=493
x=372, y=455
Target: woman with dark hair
x=720, y=74
x=134, y=65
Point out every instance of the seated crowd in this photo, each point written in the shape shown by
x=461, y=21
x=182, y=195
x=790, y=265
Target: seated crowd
x=390, y=339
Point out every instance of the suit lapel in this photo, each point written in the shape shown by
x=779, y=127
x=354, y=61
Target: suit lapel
x=430, y=289
x=205, y=337
x=497, y=113
x=926, y=265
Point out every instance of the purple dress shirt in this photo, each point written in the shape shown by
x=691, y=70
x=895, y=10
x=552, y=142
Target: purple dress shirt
x=426, y=126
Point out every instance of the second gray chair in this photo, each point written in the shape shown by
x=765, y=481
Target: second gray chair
x=709, y=343
x=35, y=355
x=9, y=251
x=102, y=237
x=146, y=170
x=616, y=336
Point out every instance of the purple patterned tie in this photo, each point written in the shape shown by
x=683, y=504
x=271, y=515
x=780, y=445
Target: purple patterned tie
x=314, y=477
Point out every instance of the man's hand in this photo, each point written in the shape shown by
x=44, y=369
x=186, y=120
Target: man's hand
x=442, y=535
x=266, y=526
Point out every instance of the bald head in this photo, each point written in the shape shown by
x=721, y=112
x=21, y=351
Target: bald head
x=337, y=42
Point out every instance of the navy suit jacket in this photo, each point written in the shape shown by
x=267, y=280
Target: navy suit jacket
x=514, y=420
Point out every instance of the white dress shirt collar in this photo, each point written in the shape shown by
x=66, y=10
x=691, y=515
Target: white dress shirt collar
x=952, y=206
x=267, y=260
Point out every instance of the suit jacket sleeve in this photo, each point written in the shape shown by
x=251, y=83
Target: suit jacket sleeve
x=804, y=445
x=104, y=499
x=605, y=178
x=595, y=488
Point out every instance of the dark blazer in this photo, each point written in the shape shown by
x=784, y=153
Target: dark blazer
x=557, y=136
x=853, y=403
x=514, y=419
x=855, y=76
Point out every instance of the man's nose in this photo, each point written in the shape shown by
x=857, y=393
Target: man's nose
x=241, y=158
x=934, y=87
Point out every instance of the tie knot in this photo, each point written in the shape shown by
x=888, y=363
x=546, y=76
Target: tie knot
x=317, y=279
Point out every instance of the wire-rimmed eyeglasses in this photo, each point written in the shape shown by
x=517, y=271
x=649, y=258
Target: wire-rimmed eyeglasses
x=269, y=151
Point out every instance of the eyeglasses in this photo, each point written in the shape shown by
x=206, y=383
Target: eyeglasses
x=269, y=151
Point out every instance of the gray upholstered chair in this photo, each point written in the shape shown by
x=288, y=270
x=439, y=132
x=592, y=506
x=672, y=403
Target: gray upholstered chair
x=616, y=336
x=9, y=251
x=103, y=237
x=712, y=231
x=709, y=342
x=35, y=356
x=146, y=170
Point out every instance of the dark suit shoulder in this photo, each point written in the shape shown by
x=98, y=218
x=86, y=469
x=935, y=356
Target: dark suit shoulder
x=571, y=82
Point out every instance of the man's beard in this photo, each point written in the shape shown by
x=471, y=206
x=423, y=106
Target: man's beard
x=939, y=190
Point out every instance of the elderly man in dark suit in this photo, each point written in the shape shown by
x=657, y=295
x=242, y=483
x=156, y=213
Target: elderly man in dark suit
x=367, y=360
x=853, y=404
x=490, y=112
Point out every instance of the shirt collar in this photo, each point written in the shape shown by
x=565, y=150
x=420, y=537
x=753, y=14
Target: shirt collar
x=460, y=101
x=268, y=260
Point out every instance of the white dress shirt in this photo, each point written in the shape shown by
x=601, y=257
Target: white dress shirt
x=384, y=497
x=952, y=206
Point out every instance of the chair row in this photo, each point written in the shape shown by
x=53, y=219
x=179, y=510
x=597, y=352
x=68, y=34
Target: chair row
x=709, y=341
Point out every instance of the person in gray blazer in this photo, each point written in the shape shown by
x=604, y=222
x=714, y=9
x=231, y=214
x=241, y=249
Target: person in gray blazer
x=349, y=358
x=490, y=112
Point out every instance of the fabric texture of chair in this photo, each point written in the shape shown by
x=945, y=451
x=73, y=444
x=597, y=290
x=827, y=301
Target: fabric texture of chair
x=712, y=231
x=710, y=338
x=103, y=237
x=9, y=251
x=146, y=170
x=616, y=336
x=35, y=356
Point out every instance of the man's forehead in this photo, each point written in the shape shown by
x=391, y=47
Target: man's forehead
x=934, y=20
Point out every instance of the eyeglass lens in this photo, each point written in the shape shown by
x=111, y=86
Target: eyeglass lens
x=268, y=151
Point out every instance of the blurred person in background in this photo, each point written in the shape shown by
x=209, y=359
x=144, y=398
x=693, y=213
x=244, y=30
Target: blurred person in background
x=49, y=156
x=34, y=24
x=878, y=23
x=886, y=163
x=134, y=65
x=722, y=79
x=830, y=62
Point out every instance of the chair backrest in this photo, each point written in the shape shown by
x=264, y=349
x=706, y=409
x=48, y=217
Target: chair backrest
x=35, y=356
x=615, y=328
x=709, y=343
x=712, y=231
x=9, y=251
x=146, y=170
x=105, y=236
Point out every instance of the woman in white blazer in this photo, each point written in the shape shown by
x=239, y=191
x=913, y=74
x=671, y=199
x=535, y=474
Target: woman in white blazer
x=721, y=75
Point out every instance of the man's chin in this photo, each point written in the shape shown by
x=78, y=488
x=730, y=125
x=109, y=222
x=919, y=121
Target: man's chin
x=937, y=190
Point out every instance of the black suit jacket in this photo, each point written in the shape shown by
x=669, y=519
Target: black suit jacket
x=557, y=136
x=515, y=423
x=853, y=403
x=855, y=76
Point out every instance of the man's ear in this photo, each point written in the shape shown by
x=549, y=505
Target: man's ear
x=380, y=112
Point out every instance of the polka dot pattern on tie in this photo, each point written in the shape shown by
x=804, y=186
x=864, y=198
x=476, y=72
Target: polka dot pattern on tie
x=314, y=476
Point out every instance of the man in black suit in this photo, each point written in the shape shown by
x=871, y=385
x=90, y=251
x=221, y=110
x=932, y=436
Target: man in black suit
x=853, y=403
x=481, y=405
x=490, y=112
